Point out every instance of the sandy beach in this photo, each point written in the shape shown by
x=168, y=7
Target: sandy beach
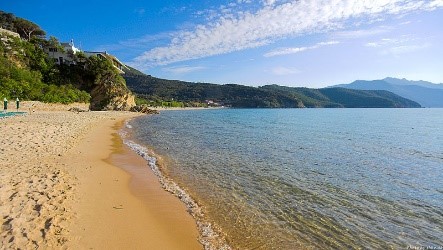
x=67, y=181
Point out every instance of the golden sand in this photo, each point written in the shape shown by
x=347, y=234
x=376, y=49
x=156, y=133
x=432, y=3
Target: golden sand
x=60, y=187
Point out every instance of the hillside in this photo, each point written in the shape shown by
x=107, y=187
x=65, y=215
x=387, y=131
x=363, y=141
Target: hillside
x=28, y=72
x=156, y=89
x=345, y=98
x=425, y=93
x=270, y=96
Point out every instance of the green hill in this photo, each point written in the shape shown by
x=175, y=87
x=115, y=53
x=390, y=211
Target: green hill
x=28, y=73
x=155, y=90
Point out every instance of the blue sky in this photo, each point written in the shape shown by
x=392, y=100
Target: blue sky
x=311, y=43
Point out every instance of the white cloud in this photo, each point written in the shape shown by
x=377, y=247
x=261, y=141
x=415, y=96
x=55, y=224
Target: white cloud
x=396, y=46
x=287, y=51
x=363, y=33
x=235, y=31
x=408, y=48
x=404, y=49
x=384, y=42
x=183, y=69
x=269, y=2
x=282, y=71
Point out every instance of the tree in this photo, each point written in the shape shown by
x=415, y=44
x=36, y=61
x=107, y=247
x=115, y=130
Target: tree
x=53, y=42
x=7, y=20
x=28, y=29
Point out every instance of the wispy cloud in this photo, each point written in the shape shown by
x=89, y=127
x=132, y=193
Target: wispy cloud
x=362, y=33
x=396, y=46
x=183, y=69
x=138, y=44
x=238, y=30
x=282, y=71
x=404, y=49
x=386, y=42
x=288, y=51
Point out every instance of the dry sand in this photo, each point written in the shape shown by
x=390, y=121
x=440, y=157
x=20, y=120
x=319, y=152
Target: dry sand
x=60, y=187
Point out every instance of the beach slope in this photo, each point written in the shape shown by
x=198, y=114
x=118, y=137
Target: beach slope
x=66, y=181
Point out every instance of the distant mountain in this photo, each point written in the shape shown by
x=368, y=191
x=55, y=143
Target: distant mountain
x=427, y=94
x=404, y=81
x=270, y=96
x=344, y=98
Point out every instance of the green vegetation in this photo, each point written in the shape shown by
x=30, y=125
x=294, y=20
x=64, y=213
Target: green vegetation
x=157, y=90
x=26, y=71
x=154, y=91
x=25, y=28
x=106, y=83
x=344, y=98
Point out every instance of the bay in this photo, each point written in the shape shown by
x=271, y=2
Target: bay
x=308, y=178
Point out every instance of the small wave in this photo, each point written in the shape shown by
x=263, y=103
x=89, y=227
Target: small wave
x=127, y=125
x=210, y=237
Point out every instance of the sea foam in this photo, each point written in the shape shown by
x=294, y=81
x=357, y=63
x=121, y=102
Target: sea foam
x=210, y=235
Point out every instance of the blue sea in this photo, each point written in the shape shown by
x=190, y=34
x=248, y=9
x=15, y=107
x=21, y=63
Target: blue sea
x=9, y=114
x=307, y=178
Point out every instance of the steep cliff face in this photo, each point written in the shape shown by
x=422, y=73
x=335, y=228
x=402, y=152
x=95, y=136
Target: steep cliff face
x=111, y=96
x=104, y=98
x=109, y=91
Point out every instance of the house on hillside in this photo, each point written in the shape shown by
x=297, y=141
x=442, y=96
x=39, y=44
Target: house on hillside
x=63, y=54
x=117, y=64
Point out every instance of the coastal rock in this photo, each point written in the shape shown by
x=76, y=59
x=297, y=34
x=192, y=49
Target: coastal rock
x=144, y=109
x=111, y=97
x=77, y=110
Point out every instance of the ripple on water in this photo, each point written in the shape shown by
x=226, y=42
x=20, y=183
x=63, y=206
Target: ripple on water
x=285, y=179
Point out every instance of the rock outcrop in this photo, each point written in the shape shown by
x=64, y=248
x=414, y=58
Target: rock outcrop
x=144, y=109
x=109, y=91
x=107, y=98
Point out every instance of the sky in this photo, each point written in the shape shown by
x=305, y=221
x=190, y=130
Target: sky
x=309, y=43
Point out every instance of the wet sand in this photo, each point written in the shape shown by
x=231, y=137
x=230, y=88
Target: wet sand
x=133, y=207
x=61, y=187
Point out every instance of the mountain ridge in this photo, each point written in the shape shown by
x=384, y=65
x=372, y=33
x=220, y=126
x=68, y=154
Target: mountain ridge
x=425, y=93
x=154, y=89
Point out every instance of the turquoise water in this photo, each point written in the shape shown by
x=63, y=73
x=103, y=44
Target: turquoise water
x=9, y=114
x=308, y=178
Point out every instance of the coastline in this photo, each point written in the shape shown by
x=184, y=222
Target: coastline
x=183, y=109
x=210, y=235
x=62, y=188
x=134, y=212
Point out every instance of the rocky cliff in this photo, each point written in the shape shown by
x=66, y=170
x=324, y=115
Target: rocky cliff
x=109, y=91
x=103, y=98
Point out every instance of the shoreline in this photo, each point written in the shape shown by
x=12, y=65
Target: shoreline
x=210, y=235
x=183, y=109
x=134, y=212
x=62, y=188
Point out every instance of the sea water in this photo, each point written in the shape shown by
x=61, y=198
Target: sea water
x=308, y=178
x=4, y=114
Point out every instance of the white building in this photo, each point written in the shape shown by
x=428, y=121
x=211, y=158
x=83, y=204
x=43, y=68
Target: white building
x=64, y=54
